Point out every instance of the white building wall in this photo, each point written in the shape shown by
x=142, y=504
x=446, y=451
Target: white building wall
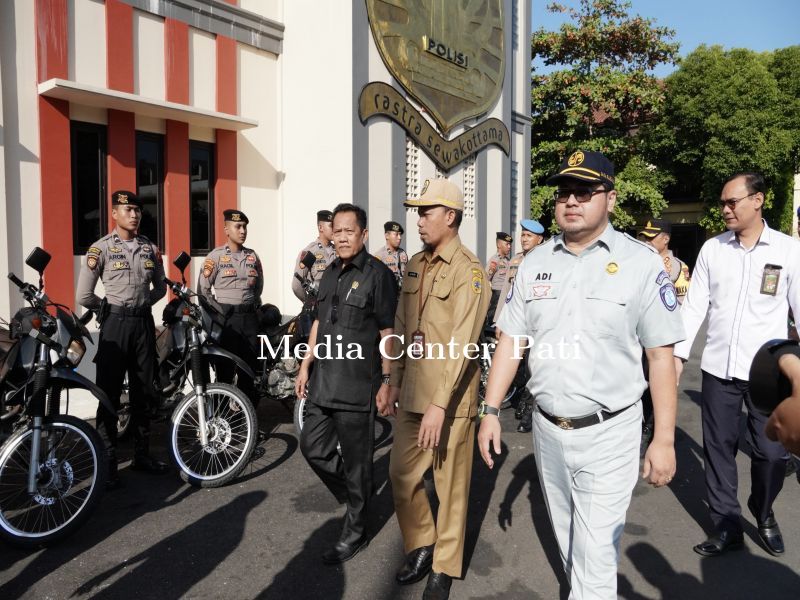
x=259, y=172
x=86, y=46
x=148, y=55
x=202, y=69
x=21, y=210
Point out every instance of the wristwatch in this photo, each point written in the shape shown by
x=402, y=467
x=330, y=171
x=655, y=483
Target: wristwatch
x=485, y=409
x=385, y=379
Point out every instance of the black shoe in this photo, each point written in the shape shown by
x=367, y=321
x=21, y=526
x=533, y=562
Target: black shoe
x=768, y=531
x=720, y=543
x=148, y=464
x=418, y=564
x=791, y=467
x=438, y=587
x=526, y=422
x=343, y=551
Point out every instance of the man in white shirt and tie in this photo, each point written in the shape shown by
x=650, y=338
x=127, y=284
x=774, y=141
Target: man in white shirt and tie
x=745, y=280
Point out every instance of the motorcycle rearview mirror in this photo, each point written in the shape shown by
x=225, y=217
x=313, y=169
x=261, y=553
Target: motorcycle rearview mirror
x=182, y=261
x=308, y=260
x=38, y=260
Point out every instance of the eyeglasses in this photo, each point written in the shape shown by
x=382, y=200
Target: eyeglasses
x=581, y=194
x=335, y=309
x=732, y=202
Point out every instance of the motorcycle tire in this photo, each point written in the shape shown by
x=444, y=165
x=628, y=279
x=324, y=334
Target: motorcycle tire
x=72, y=477
x=232, y=434
x=124, y=410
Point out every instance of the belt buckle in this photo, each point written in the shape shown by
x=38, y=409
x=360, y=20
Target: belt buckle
x=564, y=423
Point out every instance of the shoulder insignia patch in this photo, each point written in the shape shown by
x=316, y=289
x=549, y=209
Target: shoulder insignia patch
x=661, y=277
x=668, y=296
x=149, y=264
x=94, y=250
x=477, y=280
x=91, y=261
x=208, y=267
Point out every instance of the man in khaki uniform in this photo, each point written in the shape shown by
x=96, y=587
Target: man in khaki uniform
x=236, y=274
x=497, y=268
x=444, y=301
x=392, y=255
x=322, y=249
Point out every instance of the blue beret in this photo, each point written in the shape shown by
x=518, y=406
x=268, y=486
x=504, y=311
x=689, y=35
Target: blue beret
x=532, y=226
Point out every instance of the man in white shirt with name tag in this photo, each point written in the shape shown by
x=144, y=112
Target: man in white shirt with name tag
x=745, y=280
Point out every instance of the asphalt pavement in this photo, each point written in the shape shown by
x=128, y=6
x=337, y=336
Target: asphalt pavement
x=262, y=535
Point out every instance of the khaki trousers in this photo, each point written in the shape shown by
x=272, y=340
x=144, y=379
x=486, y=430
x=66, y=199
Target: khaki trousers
x=452, y=470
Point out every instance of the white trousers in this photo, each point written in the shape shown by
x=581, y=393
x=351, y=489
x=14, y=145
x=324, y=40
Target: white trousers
x=587, y=478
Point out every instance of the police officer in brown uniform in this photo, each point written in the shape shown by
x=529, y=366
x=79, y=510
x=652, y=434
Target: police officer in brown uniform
x=236, y=274
x=392, y=255
x=132, y=272
x=322, y=248
x=497, y=268
x=444, y=300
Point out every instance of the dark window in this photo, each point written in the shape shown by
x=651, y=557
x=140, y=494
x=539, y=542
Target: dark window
x=89, y=213
x=201, y=200
x=150, y=184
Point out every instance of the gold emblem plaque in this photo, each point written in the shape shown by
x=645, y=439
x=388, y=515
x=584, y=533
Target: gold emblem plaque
x=449, y=55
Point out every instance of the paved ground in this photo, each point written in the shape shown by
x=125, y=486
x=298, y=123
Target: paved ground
x=261, y=536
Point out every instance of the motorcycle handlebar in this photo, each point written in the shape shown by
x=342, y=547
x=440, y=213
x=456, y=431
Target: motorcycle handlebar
x=16, y=281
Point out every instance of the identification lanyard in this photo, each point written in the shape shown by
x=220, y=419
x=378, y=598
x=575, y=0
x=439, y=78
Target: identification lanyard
x=418, y=337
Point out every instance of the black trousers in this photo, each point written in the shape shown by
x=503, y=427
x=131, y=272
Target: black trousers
x=492, y=307
x=349, y=476
x=240, y=336
x=127, y=344
x=721, y=408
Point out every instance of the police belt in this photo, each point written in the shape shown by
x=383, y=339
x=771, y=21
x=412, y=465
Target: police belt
x=581, y=422
x=231, y=309
x=129, y=311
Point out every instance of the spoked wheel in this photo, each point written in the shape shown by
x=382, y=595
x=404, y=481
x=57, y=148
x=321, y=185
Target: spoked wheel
x=71, y=477
x=300, y=412
x=232, y=431
x=124, y=410
x=486, y=364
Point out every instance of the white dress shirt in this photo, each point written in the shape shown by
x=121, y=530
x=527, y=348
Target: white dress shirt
x=727, y=284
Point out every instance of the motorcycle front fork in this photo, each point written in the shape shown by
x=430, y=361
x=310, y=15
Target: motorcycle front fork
x=38, y=406
x=199, y=379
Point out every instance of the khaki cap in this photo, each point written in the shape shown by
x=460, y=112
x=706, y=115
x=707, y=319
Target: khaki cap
x=438, y=192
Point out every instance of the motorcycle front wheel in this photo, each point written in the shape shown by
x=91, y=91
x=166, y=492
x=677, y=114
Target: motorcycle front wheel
x=70, y=480
x=232, y=431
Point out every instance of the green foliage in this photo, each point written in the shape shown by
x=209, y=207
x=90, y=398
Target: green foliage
x=727, y=112
x=599, y=99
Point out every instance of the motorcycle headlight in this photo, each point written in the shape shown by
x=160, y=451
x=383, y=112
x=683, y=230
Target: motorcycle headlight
x=75, y=352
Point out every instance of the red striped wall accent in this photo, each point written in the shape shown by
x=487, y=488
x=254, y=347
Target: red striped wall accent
x=121, y=161
x=119, y=46
x=176, y=193
x=226, y=75
x=225, y=189
x=54, y=153
x=176, y=60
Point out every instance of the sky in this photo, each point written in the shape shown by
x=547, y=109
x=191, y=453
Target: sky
x=755, y=24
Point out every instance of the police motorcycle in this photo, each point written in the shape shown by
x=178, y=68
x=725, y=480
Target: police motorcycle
x=213, y=428
x=52, y=465
x=488, y=343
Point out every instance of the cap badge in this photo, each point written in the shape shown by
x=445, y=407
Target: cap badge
x=236, y=217
x=122, y=198
x=575, y=159
x=425, y=187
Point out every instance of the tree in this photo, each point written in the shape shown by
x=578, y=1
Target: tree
x=599, y=100
x=727, y=112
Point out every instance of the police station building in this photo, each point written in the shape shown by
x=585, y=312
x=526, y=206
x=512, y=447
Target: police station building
x=279, y=108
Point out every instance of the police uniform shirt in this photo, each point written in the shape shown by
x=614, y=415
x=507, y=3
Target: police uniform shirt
x=324, y=256
x=455, y=309
x=746, y=296
x=356, y=302
x=237, y=277
x=602, y=306
x=513, y=266
x=396, y=260
x=498, y=271
x=133, y=278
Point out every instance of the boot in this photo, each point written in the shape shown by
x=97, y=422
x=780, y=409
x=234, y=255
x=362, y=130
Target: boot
x=113, y=482
x=142, y=461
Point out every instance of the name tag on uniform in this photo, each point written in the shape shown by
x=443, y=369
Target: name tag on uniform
x=416, y=349
x=770, y=279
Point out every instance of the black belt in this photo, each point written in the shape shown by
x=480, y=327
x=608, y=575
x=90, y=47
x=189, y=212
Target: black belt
x=129, y=311
x=238, y=308
x=581, y=422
